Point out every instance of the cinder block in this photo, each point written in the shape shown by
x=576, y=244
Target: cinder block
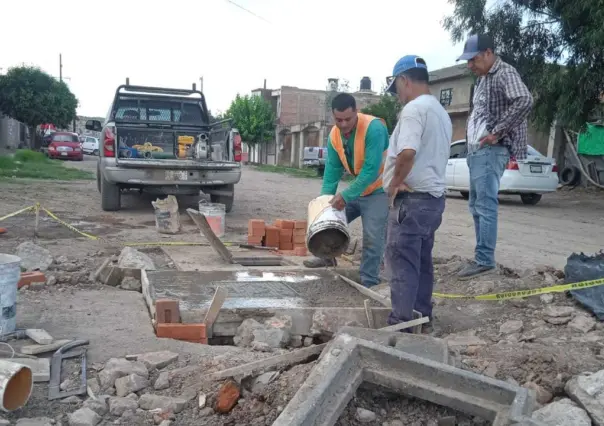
x=167, y=311
x=272, y=236
x=195, y=333
x=28, y=278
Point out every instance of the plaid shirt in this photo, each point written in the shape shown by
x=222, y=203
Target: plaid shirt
x=509, y=104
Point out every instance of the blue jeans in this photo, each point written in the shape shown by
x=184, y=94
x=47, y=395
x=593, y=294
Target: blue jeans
x=373, y=210
x=486, y=169
x=412, y=224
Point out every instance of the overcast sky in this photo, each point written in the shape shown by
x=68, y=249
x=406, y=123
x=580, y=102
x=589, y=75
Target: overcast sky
x=174, y=43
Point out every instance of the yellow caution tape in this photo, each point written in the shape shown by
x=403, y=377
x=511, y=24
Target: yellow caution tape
x=171, y=243
x=68, y=226
x=19, y=212
x=518, y=294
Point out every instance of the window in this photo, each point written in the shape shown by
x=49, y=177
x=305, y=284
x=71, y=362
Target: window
x=64, y=138
x=446, y=96
x=458, y=150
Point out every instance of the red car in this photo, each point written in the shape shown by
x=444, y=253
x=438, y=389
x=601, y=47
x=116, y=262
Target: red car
x=64, y=145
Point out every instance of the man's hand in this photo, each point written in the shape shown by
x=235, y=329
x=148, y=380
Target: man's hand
x=394, y=190
x=489, y=139
x=337, y=202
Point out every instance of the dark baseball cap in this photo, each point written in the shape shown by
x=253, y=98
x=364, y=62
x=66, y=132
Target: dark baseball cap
x=404, y=64
x=475, y=44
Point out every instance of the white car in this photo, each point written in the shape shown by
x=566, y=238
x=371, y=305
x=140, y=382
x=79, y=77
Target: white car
x=529, y=178
x=90, y=145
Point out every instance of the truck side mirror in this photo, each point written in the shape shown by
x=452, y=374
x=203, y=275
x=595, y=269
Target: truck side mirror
x=94, y=125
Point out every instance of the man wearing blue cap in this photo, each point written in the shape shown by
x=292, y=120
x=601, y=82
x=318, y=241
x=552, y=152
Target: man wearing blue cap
x=496, y=133
x=414, y=176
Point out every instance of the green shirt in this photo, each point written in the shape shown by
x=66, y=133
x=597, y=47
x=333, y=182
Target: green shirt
x=376, y=142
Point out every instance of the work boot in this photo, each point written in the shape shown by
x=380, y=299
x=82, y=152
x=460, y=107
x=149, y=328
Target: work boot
x=473, y=270
x=317, y=262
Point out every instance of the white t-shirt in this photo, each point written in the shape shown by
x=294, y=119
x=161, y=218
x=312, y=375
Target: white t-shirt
x=425, y=127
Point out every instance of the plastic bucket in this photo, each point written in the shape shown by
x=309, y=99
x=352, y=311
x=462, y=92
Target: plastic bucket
x=327, y=235
x=215, y=215
x=10, y=272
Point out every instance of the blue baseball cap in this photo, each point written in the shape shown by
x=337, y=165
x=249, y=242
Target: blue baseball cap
x=475, y=44
x=404, y=64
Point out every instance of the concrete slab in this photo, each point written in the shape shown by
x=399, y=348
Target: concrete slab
x=317, y=301
x=348, y=361
x=40, y=367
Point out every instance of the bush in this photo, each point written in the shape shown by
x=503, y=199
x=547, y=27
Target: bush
x=29, y=156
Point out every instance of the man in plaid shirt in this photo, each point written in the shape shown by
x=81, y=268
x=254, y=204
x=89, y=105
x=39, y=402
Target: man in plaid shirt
x=496, y=133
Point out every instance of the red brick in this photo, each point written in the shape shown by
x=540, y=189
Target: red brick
x=189, y=332
x=300, y=251
x=272, y=236
x=283, y=245
x=167, y=311
x=28, y=278
x=256, y=228
x=300, y=224
x=286, y=235
x=227, y=397
x=255, y=241
x=287, y=224
x=299, y=239
x=300, y=232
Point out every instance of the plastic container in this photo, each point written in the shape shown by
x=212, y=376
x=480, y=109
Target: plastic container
x=167, y=218
x=215, y=215
x=10, y=272
x=327, y=235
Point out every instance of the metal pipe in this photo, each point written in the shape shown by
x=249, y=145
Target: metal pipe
x=16, y=383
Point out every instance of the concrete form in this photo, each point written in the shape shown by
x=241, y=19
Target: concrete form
x=397, y=363
x=317, y=301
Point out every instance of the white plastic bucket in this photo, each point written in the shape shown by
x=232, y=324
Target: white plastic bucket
x=327, y=235
x=215, y=215
x=10, y=272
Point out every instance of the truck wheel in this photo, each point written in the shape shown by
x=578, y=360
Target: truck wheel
x=110, y=196
x=321, y=171
x=530, y=199
x=465, y=195
x=98, y=177
x=228, y=201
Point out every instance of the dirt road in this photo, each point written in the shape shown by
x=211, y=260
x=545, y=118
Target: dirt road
x=528, y=235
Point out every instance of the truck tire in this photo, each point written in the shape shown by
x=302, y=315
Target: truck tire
x=98, y=177
x=570, y=176
x=110, y=196
x=228, y=201
x=465, y=195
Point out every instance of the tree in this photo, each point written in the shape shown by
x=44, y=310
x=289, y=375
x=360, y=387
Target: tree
x=557, y=46
x=33, y=97
x=387, y=108
x=253, y=117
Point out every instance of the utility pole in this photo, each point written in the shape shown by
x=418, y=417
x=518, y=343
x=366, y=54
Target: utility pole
x=60, y=67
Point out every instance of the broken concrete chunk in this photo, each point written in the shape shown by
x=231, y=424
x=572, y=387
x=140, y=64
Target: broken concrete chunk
x=93, y=385
x=158, y=359
x=562, y=413
x=166, y=403
x=582, y=323
x=558, y=320
x=588, y=392
x=40, y=349
x=35, y=421
x=260, y=382
x=132, y=258
x=273, y=337
x=467, y=338
x=98, y=405
x=33, y=257
x=512, y=326
x=131, y=284
x=130, y=383
x=245, y=332
x=39, y=367
x=543, y=395
x=559, y=311
x=118, y=405
x=71, y=400
x=163, y=381
x=547, y=298
x=39, y=336
x=119, y=367
x=83, y=417
x=365, y=416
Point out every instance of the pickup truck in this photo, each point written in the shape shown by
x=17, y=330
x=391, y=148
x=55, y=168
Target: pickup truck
x=315, y=157
x=160, y=141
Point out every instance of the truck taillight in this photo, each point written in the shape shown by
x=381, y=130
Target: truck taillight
x=109, y=141
x=320, y=153
x=237, y=148
x=555, y=168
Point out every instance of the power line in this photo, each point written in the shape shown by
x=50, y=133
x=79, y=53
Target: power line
x=249, y=11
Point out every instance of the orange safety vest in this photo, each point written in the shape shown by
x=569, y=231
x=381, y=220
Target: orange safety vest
x=359, y=149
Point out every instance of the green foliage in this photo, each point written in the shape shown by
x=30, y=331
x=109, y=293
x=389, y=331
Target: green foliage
x=387, y=108
x=33, y=97
x=557, y=46
x=253, y=117
x=34, y=165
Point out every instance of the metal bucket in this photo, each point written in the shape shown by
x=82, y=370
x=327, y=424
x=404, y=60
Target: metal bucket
x=327, y=235
x=215, y=215
x=10, y=272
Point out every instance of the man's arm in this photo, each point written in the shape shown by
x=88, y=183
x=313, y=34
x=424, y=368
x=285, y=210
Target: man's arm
x=520, y=102
x=406, y=146
x=333, y=171
x=376, y=141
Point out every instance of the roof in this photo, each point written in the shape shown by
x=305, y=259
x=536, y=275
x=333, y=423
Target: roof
x=456, y=71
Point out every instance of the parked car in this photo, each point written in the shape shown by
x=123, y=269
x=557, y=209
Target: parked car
x=529, y=178
x=315, y=157
x=65, y=145
x=90, y=145
x=160, y=141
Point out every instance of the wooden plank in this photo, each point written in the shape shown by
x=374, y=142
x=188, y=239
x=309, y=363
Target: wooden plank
x=368, y=292
x=219, y=297
x=272, y=363
x=39, y=336
x=40, y=349
x=203, y=225
x=404, y=325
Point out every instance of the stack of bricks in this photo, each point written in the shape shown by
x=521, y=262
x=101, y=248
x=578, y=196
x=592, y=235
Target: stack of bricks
x=167, y=315
x=288, y=236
